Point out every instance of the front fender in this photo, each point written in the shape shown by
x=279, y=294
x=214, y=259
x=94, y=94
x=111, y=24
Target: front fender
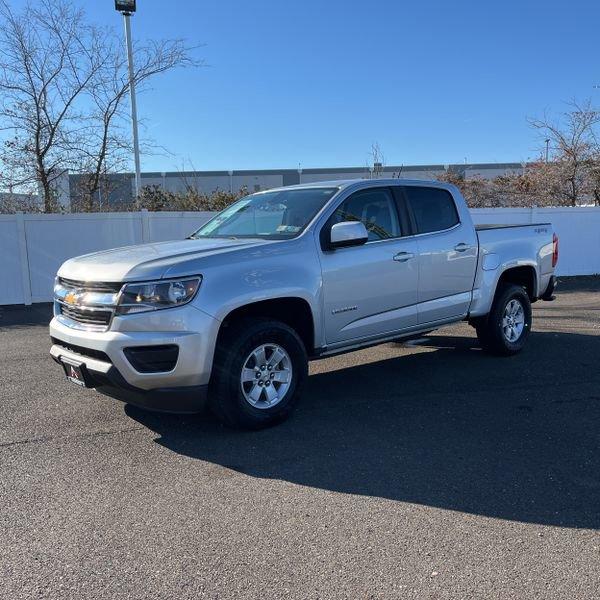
x=288, y=271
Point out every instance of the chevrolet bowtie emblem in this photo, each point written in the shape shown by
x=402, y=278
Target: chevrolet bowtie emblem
x=71, y=298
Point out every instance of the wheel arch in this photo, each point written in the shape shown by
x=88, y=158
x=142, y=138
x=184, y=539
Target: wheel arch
x=294, y=311
x=523, y=275
x=490, y=281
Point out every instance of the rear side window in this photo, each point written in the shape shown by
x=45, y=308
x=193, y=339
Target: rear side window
x=433, y=208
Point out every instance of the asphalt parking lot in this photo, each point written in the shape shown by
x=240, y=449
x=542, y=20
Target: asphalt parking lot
x=422, y=471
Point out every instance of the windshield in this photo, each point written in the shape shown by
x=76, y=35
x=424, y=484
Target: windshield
x=275, y=215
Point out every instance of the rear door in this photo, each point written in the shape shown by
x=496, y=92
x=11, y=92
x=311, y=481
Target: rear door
x=370, y=290
x=447, y=250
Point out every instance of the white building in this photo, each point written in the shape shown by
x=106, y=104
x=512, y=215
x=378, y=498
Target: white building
x=122, y=184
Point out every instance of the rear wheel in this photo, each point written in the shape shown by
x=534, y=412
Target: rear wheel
x=505, y=330
x=259, y=370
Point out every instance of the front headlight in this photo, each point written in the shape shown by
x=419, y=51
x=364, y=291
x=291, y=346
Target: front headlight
x=155, y=295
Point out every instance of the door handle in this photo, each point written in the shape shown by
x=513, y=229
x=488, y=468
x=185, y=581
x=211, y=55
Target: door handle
x=403, y=256
x=462, y=247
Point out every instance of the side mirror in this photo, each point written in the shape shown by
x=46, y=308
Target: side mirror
x=348, y=233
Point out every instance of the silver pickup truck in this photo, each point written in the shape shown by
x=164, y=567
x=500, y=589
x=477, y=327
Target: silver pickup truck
x=232, y=315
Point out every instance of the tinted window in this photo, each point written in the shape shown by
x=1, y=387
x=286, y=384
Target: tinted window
x=434, y=209
x=375, y=208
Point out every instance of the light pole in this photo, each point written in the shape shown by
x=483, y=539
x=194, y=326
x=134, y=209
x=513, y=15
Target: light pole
x=547, y=149
x=127, y=8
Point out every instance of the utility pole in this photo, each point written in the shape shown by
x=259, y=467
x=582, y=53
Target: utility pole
x=127, y=8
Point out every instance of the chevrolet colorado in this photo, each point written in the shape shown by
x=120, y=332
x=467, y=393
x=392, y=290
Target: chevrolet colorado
x=232, y=315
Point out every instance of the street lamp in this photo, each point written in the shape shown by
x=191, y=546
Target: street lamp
x=547, y=149
x=127, y=8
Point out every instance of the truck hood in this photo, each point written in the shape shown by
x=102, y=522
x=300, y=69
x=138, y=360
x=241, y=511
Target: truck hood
x=147, y=261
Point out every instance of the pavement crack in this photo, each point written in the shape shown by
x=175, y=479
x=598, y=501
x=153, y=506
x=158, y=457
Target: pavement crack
x=50, y=438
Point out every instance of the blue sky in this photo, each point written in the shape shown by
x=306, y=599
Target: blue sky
x=318, y=82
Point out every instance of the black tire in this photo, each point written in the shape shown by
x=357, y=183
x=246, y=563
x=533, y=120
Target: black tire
x=226, y=398
x=490, y=330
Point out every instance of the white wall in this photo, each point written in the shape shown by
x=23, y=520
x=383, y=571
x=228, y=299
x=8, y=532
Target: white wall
x=490, y=173
x=331, y=176
x=208, y=184
x=32, y=247
x=164, y=226
x=13, y=260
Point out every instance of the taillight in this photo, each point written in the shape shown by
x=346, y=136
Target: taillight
x=554, y=250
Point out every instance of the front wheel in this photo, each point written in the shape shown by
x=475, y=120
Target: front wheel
x=506, y=329
x=259, y=370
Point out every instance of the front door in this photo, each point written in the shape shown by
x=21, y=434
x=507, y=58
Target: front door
x=370, y=290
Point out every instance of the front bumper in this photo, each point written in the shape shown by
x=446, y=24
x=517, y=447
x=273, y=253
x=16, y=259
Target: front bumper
x=102, y=356
x=107, y=380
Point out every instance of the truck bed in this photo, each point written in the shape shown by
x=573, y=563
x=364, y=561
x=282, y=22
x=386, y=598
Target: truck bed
x=525, y=244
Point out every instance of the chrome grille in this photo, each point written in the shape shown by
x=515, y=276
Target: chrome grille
x=95, y=286
x=85, y=305
x=87, y=315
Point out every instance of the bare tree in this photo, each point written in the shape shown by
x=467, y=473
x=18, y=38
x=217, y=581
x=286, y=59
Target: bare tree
x=575, y=153
x=11, y=203
x=106, y=146
x=570, y=176
x=376, y=160
x=595, y=181
x=48, y=57
x=63, y=87
x=475, y=190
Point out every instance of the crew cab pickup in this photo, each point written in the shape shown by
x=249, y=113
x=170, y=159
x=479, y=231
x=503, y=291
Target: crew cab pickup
x=231, y=315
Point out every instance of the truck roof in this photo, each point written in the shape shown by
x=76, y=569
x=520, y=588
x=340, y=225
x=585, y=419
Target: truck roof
x=344, y=183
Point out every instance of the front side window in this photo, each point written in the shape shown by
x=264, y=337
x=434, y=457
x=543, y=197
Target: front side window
x=433, y=208
x=375, y=208
x=279, y=214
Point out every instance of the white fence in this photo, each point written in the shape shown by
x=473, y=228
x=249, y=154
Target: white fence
x=32, y=247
